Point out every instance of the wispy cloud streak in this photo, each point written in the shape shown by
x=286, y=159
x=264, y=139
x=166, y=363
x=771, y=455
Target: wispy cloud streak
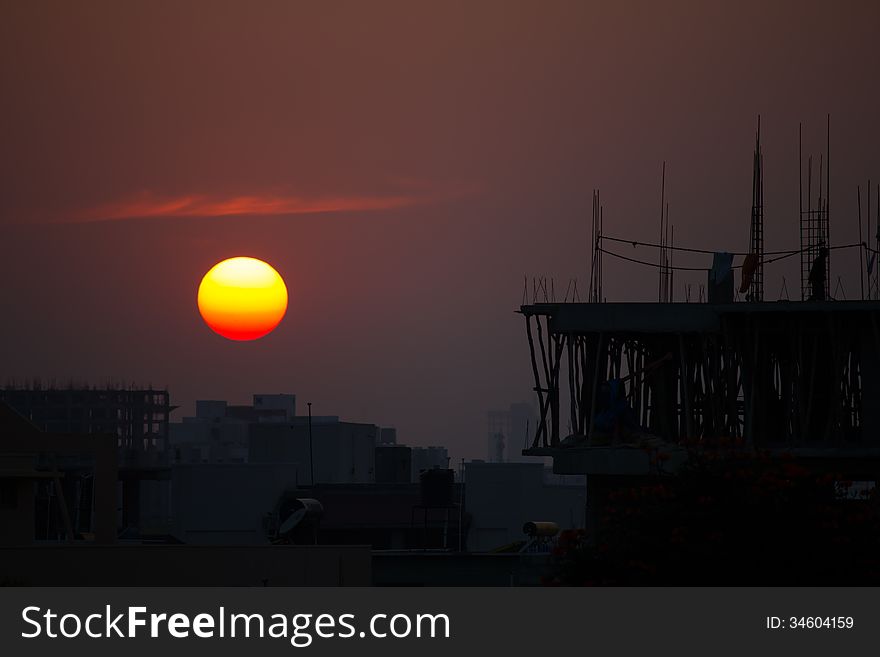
x=150, y=205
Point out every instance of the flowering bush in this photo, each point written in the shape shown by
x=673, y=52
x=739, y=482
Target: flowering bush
x=729, y=518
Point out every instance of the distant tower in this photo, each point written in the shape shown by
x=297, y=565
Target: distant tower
x=508, y=433
x=499, y=428
x=496, y=448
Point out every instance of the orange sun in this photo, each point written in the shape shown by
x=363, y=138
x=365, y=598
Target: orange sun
x=242, y=298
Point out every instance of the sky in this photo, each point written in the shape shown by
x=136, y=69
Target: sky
x=404, y=166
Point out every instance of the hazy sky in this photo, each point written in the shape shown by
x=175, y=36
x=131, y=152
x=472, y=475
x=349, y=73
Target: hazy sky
x=403, y=165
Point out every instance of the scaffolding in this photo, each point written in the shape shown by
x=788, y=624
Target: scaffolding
x=793, y=375
x=786, y=375
x=756, y=231
x=595, y=295
x=665, y=269
x=876, y=269
x=815, y=222
x=137, y=417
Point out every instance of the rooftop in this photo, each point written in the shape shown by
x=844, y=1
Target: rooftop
x=675, y=317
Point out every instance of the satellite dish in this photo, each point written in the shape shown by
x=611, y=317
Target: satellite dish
x=292, y=521
x=296, y=515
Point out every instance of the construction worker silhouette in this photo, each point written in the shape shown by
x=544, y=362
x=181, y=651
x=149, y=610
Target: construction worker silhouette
x=818, y=275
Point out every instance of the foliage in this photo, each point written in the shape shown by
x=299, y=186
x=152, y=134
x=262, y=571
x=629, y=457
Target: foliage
x=729, y=518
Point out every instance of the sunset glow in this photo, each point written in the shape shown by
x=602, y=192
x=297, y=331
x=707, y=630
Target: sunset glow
x=242, y=298
x=198, y=205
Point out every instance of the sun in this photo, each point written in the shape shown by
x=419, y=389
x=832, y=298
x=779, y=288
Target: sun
x=242, y=298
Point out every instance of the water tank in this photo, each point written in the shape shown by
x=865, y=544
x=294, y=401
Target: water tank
x=437, y=487
x=393, y=464
x=539, y=528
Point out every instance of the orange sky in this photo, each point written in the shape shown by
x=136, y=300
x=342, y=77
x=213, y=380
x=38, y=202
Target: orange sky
x=403, y=165
x=148, y=205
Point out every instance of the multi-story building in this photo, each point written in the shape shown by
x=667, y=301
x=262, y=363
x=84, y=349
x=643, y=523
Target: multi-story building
x=219, y=431
x=428, y=458
x=324, y=449
x=138, y=420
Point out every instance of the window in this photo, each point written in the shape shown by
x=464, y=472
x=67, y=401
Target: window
x=8, y=494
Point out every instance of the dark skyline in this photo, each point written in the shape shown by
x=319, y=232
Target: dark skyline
x=403, y=168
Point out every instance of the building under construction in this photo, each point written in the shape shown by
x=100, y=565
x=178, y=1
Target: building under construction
x=135, y=419
x=772, y=374
x=616, y=382
x=138, y=417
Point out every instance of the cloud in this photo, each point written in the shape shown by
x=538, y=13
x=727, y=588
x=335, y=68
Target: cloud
x=151, y=205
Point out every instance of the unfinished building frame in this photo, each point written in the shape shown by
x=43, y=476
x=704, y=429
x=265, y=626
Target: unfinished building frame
x=774, y=376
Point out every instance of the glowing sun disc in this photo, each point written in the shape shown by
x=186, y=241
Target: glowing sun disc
x=242, y=298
